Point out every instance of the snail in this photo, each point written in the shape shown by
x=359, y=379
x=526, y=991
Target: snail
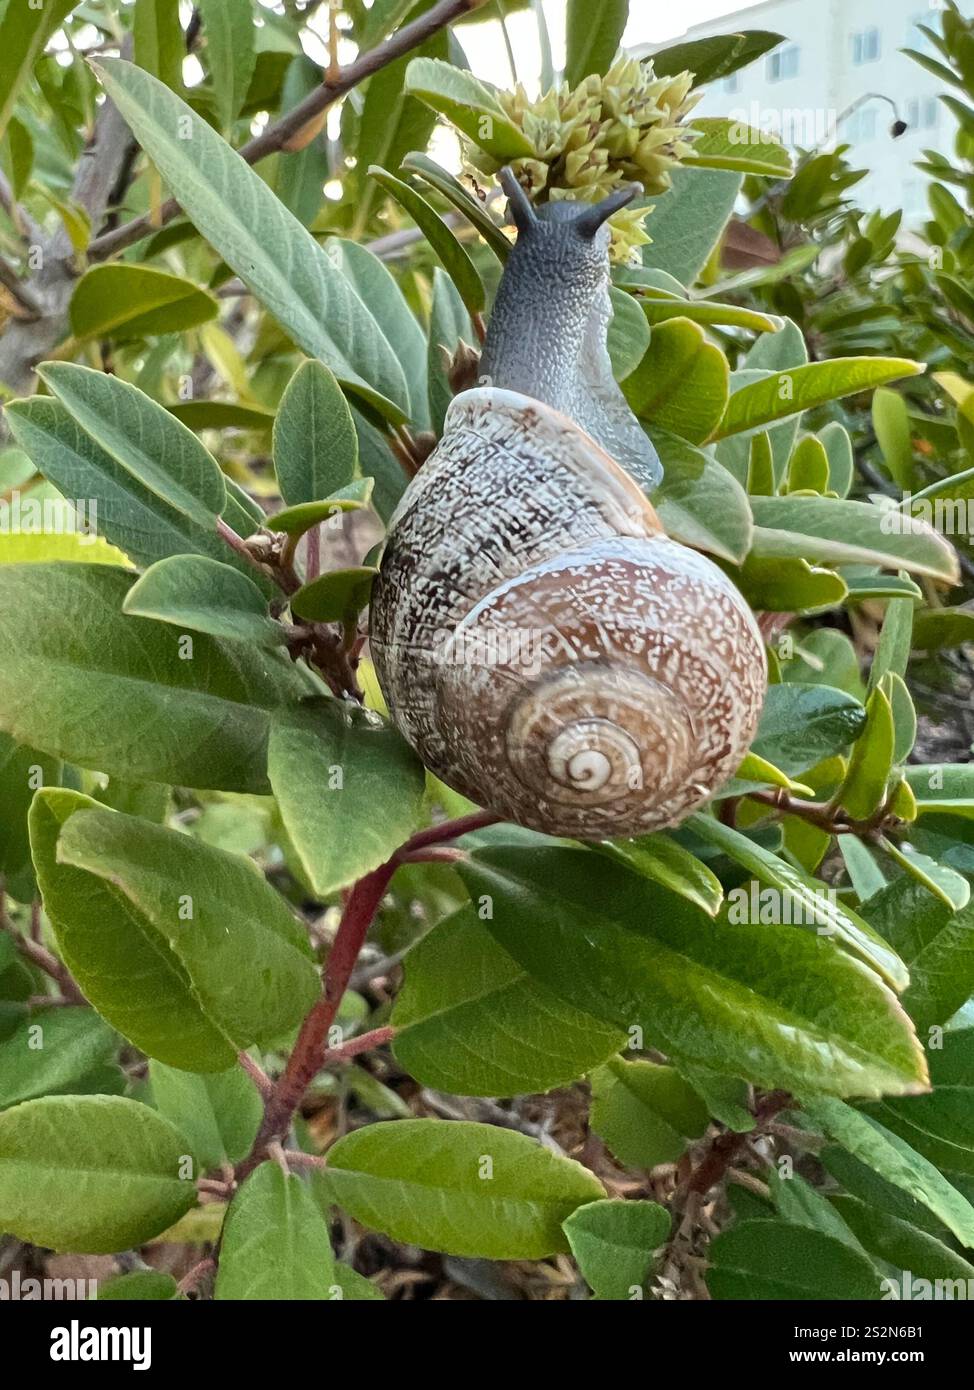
x=542, y=644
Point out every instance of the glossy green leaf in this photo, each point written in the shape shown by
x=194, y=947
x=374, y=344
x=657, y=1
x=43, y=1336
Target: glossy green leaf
x=336, y=596
x=833, y=531
x=51, y=1052
x=936, y=942
x=277, y=258
x=801, y=724
x=723, y=143
x=943, y=787
x=614, y=1242
x=593, y=37
x=349, y=790
x=129, y=514
x=892, y=426
x=143, y=1285
x=116, y=694
x=470, y=1021
x=776, y=1260
x=750, y=1000
x=294, y=521
x=24, y=31
x=453, y=255
x=144, y=438
x=681, y=383
x=467, y=102
x=91, y=1174
x=799, y=388
x=646, y=1114
x=463, y=1188
x=663, y=859
x=275, y=1243
x=315, y=444
x=628, y=335
x=194, y=592
x=790, y=586
x=894, y=1241
x=219, y=1112
x=699, y=502
x=688, y=220
x=715, y=56
x=228, y=27
x=183, y=948
x=897, y=1162
x=872, y=759
x=810, y=905
x=137, y=301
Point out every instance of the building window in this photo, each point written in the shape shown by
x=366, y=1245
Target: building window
x=783, y=63
x=861, y=125
x=923, y=19
x=865, y=46
x=922, y=114
x=732, y=83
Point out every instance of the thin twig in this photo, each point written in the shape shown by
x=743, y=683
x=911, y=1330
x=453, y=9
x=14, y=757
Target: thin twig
x=276, y=136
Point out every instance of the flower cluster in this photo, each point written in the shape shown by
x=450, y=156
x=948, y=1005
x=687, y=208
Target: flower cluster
x=625, y=126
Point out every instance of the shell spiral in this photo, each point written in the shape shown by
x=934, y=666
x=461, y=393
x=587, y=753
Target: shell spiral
x=547, y=650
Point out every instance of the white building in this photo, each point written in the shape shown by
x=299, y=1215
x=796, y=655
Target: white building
x=836, y=52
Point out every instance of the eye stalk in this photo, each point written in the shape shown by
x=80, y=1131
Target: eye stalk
x=587, y=218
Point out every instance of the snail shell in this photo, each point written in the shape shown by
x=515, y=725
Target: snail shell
x=542, y=644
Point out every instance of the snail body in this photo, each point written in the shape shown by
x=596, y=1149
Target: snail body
x=542, y=644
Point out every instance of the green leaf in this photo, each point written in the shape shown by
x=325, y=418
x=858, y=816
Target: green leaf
x=688, y=220
x=613, y=1243
x=658, y=306
x=142, y=1284
x=183, y=948
x=376, y=287
x=470, y=1021
x=699, y=502
x=129, y=514
x=943, y=787
x=681, y=383
x=113, y=693
x=940, y=1126
x=831, y=530
x=775, y=1260
x=294, y=521
x=228, y=26
x=894, y=1241
x=337, y=596
x=810, y=905
x=723, y=143
x=92, y=1174
x=661, y=858
x=940, y=628
x=895, y=1161
x=137, y=301
x=449, y=326
x=192, y=591
x=748, y=1000
x=454, y=257
x=277, y=258
x=219, y=1112
x=628, y=336
x=457, y=94
x=593, y=37
x=799, y=388
x=159, y=41
x=800, y=1204
x=802, y=724
x=35, y=548
x=716, y=56
x=24, y=31
x=892, y=426
x=349, y=790
x=936, y=943
x=275, y=1243
x=141, y=435
x=808, y=467
x=647, y=1114
x=222, y=415
x=23, y=771
x=52, y=1052
x=463, y=1188
x=790, y=586
x=864, y=788
x=315, y=444
x=418, y=163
